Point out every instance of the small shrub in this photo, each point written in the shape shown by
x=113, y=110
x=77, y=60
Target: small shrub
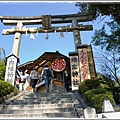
x=6, y=88
x=15, y=91
x=96, y=98
x=2, y=69
x=88, y=85
x=89, y=93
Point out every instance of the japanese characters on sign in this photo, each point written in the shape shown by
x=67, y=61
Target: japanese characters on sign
x=84, y=65
x=46, y=21
x=58, y=65
x=11, y=69
x=75, y=76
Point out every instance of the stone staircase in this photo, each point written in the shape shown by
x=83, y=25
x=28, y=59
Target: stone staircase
x=43, y=105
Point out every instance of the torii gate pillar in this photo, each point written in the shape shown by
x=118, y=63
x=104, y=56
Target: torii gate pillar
x=76, y=34
x=12, y=60
x=17, y=40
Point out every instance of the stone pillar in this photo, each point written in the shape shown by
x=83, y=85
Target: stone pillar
x=17, y=40
x=76, y=34
x=12, y=60
x=75, y=72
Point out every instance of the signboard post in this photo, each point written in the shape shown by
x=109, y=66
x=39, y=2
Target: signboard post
x=10, y=73
x=75, y=73
x=84, y=63
x=107, y=106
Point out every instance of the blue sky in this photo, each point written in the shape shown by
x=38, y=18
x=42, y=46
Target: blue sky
x=32, y=49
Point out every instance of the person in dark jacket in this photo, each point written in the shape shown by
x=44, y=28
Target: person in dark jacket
x=47, y=75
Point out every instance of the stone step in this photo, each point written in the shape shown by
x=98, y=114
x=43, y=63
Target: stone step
x=43, y=105
x=40, y=102
x=72, y=114
x=37, y=111
x=46, y=98
x=56, y=98
x=39, y=106
x=49, y=94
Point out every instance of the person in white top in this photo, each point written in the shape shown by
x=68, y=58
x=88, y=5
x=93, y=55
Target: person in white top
x=34, y=77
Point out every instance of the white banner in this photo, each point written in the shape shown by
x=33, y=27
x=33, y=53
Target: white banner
x=84, y=64
x=75, y=74
x=11, y=69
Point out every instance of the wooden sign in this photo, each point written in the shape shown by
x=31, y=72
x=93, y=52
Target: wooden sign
x=58, y=64
x=46, y=21
x=84, y=63
x=75, y=75
x=11, y=69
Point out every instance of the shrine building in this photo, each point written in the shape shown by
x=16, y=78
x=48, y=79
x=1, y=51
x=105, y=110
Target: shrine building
x=60, y=65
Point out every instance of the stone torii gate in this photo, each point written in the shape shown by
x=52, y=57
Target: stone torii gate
x=46, y=21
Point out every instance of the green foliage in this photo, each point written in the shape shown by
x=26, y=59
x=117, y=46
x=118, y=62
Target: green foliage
x=111, y=9
x=105, y=81
x=88, y=85
x=2, y=69
x=108, y=41
x=94, y=94
x=101, y=38
x=94, y=91
x=96, y=98
x=6, y=88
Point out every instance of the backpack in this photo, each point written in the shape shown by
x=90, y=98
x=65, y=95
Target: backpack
x=47, y=73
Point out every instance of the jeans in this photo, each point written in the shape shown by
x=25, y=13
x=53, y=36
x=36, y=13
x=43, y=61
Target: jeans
x=33, y=84
x=47, y=82
x=17, y=86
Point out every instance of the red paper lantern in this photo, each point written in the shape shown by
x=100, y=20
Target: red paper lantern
x=58, y=65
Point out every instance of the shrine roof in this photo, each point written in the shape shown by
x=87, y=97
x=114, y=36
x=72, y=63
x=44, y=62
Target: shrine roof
x=45, y=59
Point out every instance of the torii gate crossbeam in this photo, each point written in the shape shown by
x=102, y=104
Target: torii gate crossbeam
x=55, y=19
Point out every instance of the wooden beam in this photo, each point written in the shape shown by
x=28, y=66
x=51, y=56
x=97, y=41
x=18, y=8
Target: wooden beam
x=53, y=29
x=55, y=19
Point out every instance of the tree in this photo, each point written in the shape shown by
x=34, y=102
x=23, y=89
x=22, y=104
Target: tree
x=100, y=9
x=101, y=37
x=105, y=81
x=109, y=41
x=108, y=64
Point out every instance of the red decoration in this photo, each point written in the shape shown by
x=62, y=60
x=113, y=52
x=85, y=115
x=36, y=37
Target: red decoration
x=58, y=65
